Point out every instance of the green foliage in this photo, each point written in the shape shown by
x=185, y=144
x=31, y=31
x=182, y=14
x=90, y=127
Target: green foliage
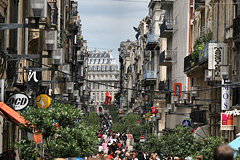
x=28, y=149
x=181, y=143
x=198, y=48
x=113, y=112
x=92, y=119
x=129, y=124
x=72, y=133
x=208, y=145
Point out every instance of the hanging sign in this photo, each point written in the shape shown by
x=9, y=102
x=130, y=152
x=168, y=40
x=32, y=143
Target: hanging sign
x=108, y=99
x=225, y=97
x=154, y=110
x=178, y=89
x=18, y=101
x=226, y=122
x=43, y=101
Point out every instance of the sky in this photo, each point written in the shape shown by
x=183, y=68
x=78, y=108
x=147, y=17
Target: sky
x=105, y=23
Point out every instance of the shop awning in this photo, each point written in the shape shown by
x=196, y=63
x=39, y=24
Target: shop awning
x=11, y=115
x=235, y=145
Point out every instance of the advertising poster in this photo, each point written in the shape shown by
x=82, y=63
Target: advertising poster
x=226, y=122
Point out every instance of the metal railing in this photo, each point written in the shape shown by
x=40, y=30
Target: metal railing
x=150, y=75
x=167, y=25
x=166, y=55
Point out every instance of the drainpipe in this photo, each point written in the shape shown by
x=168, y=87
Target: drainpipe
x=225, y=10
x=218, y=19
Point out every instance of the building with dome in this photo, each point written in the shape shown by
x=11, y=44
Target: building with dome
x=103, y=76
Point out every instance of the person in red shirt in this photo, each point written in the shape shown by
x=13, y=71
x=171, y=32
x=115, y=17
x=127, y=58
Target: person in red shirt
x=110, y=156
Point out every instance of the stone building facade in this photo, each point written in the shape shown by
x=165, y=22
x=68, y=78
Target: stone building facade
x=103, y=76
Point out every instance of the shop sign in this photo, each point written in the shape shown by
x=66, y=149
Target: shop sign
x=18, y=101
x=225, y=97
x=234, y=112
x=178, y=89
x=43, y=101
x=226, y=122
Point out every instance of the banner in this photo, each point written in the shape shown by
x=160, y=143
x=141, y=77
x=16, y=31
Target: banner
x=178, y=89
x=226, y=122
x=225, y=97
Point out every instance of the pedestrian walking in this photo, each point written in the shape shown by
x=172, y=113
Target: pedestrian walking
x=223, y=152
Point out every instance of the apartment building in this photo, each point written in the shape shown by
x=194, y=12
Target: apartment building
x=42, y=41
x=103, y=76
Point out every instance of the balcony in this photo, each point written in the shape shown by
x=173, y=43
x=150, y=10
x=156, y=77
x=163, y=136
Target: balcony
x=166, y=58
x=150, y=75
x=190, y=63
x=166, y=28
x=152, y=41
x=199, y=5
x=236, y=27
x=166, y=4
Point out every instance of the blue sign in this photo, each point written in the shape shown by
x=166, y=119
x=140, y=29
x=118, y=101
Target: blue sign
x=186, y=123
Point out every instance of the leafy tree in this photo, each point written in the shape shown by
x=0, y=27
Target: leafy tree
x=208, y=145
x=92, y=119
x=64, y=132
x=181, y=143
x=129, y=124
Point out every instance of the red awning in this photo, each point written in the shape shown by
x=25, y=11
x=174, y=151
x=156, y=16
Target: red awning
x=11, y=115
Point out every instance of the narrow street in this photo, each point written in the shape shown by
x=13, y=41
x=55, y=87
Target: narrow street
x=119, y=79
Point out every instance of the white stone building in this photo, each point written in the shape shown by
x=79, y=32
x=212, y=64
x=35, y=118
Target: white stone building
x=103, y=76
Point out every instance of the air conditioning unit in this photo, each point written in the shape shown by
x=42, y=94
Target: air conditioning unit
x=57, y=56
x=66, y=69
x=50, y=40
x=70, y=87
x=37, y=8
x=217, y=56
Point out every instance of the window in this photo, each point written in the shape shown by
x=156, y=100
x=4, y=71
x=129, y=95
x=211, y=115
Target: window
x=110, y=85
x=98, y=86
x=98, y=97
x=102, y=97
x=89, y=85
x=93, y=96
x=94, y=85
x=115, y=85
x=106, y=85
x=102, y=87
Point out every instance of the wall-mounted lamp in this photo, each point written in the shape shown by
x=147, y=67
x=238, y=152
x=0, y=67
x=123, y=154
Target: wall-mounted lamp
x=209, y=75
x=225, y=72
x=194, y=91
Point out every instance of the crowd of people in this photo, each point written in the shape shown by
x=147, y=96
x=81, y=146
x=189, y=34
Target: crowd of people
x=119, y=146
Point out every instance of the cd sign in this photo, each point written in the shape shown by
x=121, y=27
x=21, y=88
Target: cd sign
x=18, y=101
